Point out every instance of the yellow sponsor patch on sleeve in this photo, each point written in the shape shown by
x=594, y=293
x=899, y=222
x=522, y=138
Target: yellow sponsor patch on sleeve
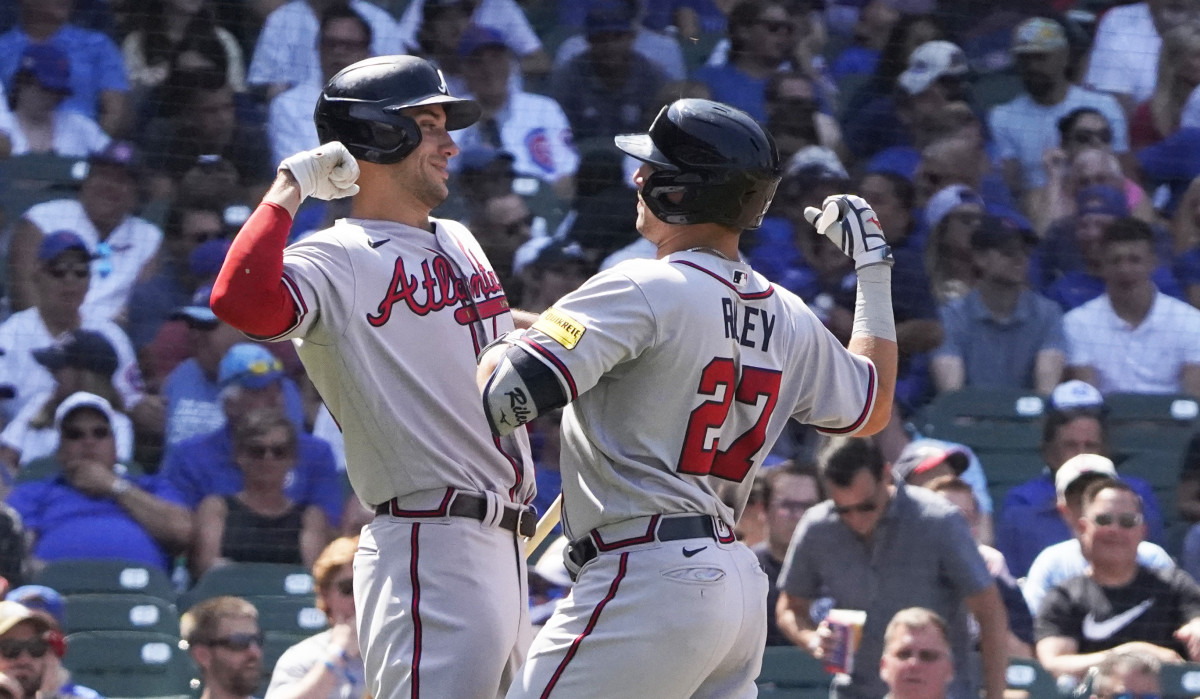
x=561, y=327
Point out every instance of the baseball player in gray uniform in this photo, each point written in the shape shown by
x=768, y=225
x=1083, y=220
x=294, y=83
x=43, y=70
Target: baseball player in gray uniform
x=390, y=309
x=679, y=373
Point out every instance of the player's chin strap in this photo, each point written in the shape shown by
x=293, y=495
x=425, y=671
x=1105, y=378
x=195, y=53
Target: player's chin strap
x=520, y=389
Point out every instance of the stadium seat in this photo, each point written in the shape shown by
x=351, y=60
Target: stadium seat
x=108, y=612
x=291, y=615
x=130, y=663
x=1161, y=469
x=1180, y=681
x=250, y=580
x=1009, y=468
x=107, y=576
x=273, y=647
x=985, y=419
x=26, y=180
x=1149, y=422
x=1029, y=676
x=789, y=668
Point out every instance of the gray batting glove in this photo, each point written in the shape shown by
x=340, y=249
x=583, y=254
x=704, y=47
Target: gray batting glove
x=325, y=172
x=849, y=221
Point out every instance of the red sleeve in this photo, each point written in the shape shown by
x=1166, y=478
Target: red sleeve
x=249, y=292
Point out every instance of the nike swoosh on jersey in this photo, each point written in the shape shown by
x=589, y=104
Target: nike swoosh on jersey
x=1101, y=630
x=688, y=553
x=376, y=243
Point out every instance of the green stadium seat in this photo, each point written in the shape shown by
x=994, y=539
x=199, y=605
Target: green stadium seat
x=1029, y=676
x=292, y=615
x=274, y=645
x=1161, y=469
x=985, y=419
x=27, y=180
x=1009, y=468
x=250, y=580
x=108, y=612
x=130, y=663
x=105, y=576
x=789, y=668
x=1148, y=422
x=1180, y=681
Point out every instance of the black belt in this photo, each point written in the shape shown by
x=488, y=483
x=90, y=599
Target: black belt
x=521, y=521
x=584, y=549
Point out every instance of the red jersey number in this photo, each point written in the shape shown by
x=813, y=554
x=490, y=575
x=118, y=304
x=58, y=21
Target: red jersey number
x=734, y=462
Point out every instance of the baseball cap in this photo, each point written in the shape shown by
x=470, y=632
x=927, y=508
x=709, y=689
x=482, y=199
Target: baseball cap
x=999, y=233
x=206, y=260
x=81, y=349
x=948, y=199
x=198, y=311
x=608, y=16
x=559, y=253
x=1101, y=199
x=48, y=65
x=816, y=155
x=921, y=455
x=1038, y=35
x=478, y=158
x=1075, y=395
x=249, y=366
x=79, y=401
x=120, y=153
x=1082, y=465
x=929, y=62
x=40, y=598
x=476, y=37
x=59, y=242
x=13, y=613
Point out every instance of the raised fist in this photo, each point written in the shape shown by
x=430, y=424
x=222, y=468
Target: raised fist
x=849, y=221
x=325, y=172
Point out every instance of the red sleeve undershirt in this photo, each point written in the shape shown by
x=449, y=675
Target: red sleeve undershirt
x=249, y=292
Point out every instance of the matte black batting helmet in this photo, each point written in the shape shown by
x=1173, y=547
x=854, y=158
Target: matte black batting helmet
x=713, y=164
x=360, y=106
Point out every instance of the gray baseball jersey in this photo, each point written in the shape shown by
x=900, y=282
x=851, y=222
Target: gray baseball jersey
x=392, y=318
x=750, y=355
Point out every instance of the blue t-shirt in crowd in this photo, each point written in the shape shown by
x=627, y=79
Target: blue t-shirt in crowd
x=731, y=86
x=96, y=64
x=194, y=403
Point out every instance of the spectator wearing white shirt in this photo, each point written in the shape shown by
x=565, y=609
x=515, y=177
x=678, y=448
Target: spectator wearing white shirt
x=286, y=52
x=344, y=38
x=41, y=124
x=1124, y=54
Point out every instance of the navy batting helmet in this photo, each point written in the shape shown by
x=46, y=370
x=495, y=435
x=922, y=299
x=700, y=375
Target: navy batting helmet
x=712, y=164
x=361, y=105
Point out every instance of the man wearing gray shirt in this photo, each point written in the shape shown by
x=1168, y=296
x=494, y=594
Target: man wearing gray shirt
x=879, y=547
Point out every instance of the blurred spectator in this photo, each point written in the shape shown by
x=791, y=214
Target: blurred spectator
x=123, y=245
x=793, y=116
x=1134, y=338
x=328, y=664
x=1029, y=519
x=259, y=523
x=835, y=552
x=917, y=662
x=251, y=378
x=952, y=216
x=1178, y=75
x=1185, y=224
x=180, y=35
x=91, y=510
x=1087, y=167
x=344, y=38
x=51, y=607
x=192, y=390
x=41, y=124
x=286, y=52
x=557, y=269
x=99, y=87
x=1124, y=53
x=30, y=646
x=922, y=460
x=200, y=118
x=691, y=18
x=1001, y=333
x=1060, y=562
x=440, y=31
x=61, y=274
x=960, y=158
x=791, y=490
x=762, y=35
x=225, y=640
x=870, y=35
x=191, y=224
x=533, y=128
x=503, y=224
x=1126, y=673
x=909, y=32
x=1023, y=129
x=608, y=89
x=504, y=16
x=935, y=77
x=603, y=213
x=1082, y=129
x=1116, y=604
x=658, y=47
x=82, y=361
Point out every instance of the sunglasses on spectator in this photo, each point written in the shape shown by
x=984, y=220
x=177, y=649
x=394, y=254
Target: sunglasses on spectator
x=860, y=508
x=344, y=586
x=923, y=655
x=1125, y=520
x=80, y=272
x=74, y=433
x=1088, y=136
x=776, y=26
x=12, y=648
x=238, y=642
x=259, y=451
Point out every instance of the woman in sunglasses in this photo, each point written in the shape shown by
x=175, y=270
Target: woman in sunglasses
x=260, y=523
x=327, y=665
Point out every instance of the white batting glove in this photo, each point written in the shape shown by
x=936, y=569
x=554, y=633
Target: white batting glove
x=325, y=172
x=849, y=221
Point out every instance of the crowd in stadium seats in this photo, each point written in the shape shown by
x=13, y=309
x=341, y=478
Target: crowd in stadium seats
x=1035, y=165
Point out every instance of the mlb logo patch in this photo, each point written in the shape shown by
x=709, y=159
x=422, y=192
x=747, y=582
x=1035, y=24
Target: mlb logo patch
x=740, y=277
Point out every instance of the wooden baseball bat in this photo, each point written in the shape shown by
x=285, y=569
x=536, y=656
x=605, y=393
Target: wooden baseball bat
x=544, y=525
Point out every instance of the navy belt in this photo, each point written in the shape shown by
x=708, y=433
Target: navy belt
x=521, y=520
x=584, y=549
